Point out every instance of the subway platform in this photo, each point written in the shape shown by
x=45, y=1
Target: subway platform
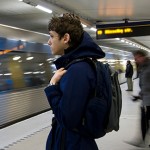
x=32, y=133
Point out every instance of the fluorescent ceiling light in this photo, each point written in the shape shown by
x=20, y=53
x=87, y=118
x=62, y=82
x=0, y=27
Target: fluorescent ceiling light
x=84, y=26
x=50, y=59
x=36, y=72
x=28, y=73
x=41, y=64
x=7, y=74
x=117, y=38
x=122, y=40
x=16, y=57
x=29, y=58
x=44, y=9
x=93, y=29
x=42, y=72
x=3, y=25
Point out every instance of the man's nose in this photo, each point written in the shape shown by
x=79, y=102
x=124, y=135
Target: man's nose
x=49, y=42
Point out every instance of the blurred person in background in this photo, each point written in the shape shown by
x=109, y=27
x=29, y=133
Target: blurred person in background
x=70, y=90
x=128, y=75
x=141, y=58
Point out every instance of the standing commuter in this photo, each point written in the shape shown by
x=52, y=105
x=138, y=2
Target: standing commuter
x=143, y=62
x=70, y=90
x=128, y=75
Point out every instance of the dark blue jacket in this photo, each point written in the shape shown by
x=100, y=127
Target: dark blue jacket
x=68, y=99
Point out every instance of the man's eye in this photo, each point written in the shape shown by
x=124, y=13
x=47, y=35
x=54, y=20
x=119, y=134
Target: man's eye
x=51, y=36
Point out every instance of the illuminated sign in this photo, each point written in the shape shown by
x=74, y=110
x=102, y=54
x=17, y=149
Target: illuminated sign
x=115, y=31
x=122, y=30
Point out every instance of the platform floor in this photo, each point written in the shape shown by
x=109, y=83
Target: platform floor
x=32, y=133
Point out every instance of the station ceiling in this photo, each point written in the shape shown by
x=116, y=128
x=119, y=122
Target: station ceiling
x=32, y=22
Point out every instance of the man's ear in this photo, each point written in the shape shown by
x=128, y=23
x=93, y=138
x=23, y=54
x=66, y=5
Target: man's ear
x=66, y=38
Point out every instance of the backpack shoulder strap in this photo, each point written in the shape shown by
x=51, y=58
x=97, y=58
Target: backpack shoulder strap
x=89, y=60
x=99, y=69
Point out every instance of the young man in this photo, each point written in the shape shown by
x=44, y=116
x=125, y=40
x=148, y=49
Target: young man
x=128, y=75
x=70, y=89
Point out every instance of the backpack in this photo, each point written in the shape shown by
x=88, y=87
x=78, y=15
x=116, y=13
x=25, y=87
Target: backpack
x=103, y=110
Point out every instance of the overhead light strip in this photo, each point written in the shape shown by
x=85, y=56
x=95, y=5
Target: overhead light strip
x=116, y=49
x=43, y=9
x=23, y=29
x=134, y=44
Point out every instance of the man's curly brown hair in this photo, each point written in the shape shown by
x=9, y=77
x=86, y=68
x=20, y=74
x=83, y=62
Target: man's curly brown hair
x=67, y=23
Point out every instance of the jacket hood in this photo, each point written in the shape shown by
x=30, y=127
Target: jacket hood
x=86, y=48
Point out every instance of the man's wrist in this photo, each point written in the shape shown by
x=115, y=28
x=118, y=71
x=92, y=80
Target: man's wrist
x=52, y=83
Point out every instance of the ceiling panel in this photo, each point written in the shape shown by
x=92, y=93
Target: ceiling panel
x=107, y=10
